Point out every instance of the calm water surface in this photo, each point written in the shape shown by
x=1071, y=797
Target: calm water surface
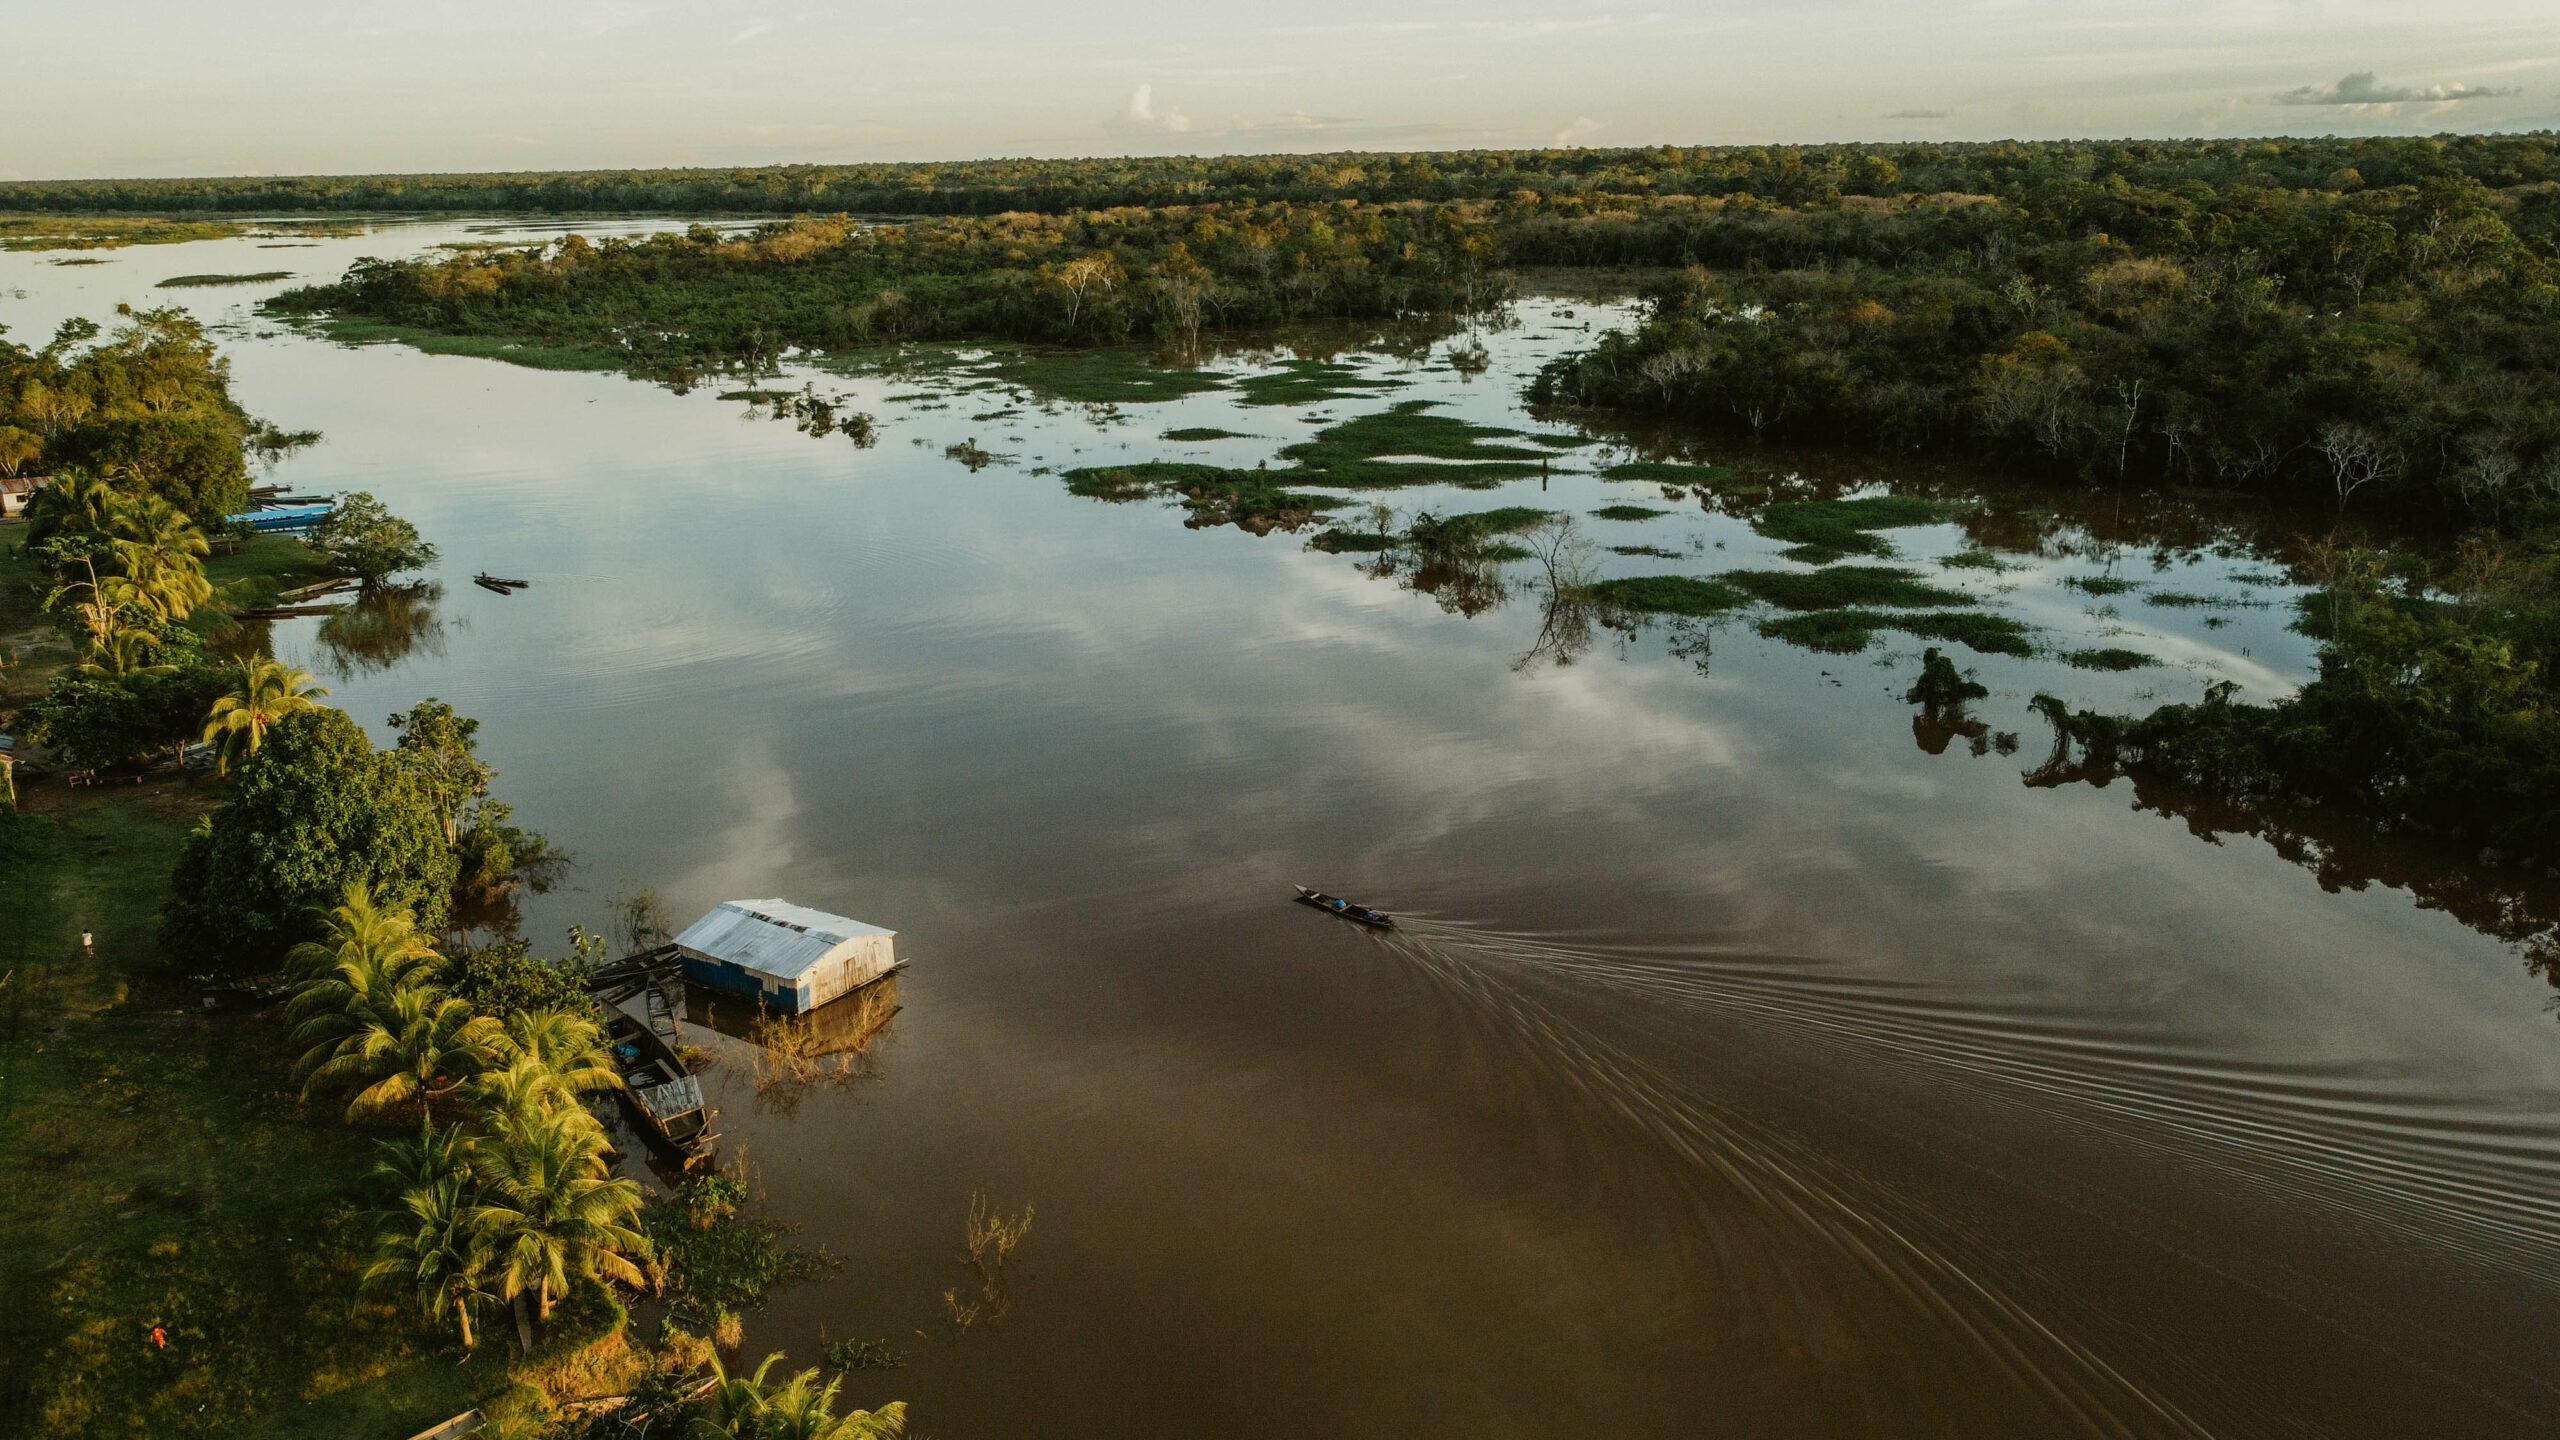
x=1749, y=1070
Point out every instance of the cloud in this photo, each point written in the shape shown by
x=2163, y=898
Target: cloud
x=1918, y=114
x=2361, y=89
x=1144, y=114
x=1582, y=128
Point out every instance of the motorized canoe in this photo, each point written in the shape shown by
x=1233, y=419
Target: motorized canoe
x=1336, y=905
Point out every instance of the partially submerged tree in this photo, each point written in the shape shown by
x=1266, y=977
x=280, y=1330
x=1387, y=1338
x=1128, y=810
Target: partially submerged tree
x=361, y=537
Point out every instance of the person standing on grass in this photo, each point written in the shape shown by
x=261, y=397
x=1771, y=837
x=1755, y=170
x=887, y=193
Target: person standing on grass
x=88, y=943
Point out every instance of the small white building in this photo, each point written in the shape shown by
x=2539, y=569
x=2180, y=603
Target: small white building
x=17, y=490
x=788, y=957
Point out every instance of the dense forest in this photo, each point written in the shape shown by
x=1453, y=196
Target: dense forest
x=1785, y=174
x=147, y=403
x=679, y=302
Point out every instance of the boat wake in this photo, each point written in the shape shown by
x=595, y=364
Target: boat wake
x=2431, y=1174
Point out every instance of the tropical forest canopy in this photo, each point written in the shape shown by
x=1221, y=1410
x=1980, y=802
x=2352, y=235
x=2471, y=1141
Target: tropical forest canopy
x=1786, y=174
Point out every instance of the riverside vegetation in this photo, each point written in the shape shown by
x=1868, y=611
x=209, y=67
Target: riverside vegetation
x=2371, y=323
x=195, y=1254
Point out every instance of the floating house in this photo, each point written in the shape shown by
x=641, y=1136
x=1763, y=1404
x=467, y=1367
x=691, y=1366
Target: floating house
x=785, y=956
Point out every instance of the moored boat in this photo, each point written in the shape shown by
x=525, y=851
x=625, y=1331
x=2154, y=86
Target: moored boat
x=1336, y=905
x=659, y=1096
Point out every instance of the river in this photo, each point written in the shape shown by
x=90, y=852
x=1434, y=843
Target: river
x=1747, y=1068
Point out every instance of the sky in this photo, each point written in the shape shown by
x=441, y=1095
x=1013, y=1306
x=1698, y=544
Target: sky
x=158, y=87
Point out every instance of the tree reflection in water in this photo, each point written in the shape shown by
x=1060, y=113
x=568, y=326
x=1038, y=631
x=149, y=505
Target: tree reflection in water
x=386, y=625
x=2517, y=904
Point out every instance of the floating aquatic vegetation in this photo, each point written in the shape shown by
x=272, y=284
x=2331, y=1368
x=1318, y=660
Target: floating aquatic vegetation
x=1354, y=542
x=1671, y=595
x=2181, y=600
x=1449, y=450
x=1846, y=632
x=2110, y=658
x=851, y=1354
x=1821, y=531
x=1204, y=432
x=1121, y=375
x=1843, y=586
x=1310, y=382
x=180, y=282
x=1628, y=512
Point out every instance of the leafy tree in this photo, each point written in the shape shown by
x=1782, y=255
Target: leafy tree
x=361, y=537
x=19, y=449
x=317, y=808
x=503, y=978
x=437, y=747
x=113, y=711
x=191, y=461
x=269, y=691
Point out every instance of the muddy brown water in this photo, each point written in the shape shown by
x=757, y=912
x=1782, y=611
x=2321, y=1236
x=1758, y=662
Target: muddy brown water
x=1744, y=1068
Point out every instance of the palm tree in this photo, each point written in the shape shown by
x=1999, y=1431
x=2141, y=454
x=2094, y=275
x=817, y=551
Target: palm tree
x=435, y=1156
x=269, y=691
x=737, y=1403
x=78, y=502
x=162, y=554
x=120, y=653
x=801, y=1410
x=567, y=1045
x=552, y=1210
x=436, y=1245
x=523, y=1094
x=411, y=1046
x=367, y=936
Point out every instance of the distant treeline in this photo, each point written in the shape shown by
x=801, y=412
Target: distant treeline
x=1786, y=174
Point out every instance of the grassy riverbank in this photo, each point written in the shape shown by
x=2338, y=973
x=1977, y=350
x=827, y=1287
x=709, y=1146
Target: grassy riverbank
x=156, y=1172
x=252, y=573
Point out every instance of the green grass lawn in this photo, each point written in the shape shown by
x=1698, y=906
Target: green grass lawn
x=155, y=1170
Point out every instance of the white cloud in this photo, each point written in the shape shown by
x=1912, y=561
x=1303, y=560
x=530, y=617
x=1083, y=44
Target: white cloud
x=1143, y=113
x=1582, y=128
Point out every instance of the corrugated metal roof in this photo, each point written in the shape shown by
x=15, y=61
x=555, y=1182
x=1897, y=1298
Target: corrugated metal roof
x=775, y=937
